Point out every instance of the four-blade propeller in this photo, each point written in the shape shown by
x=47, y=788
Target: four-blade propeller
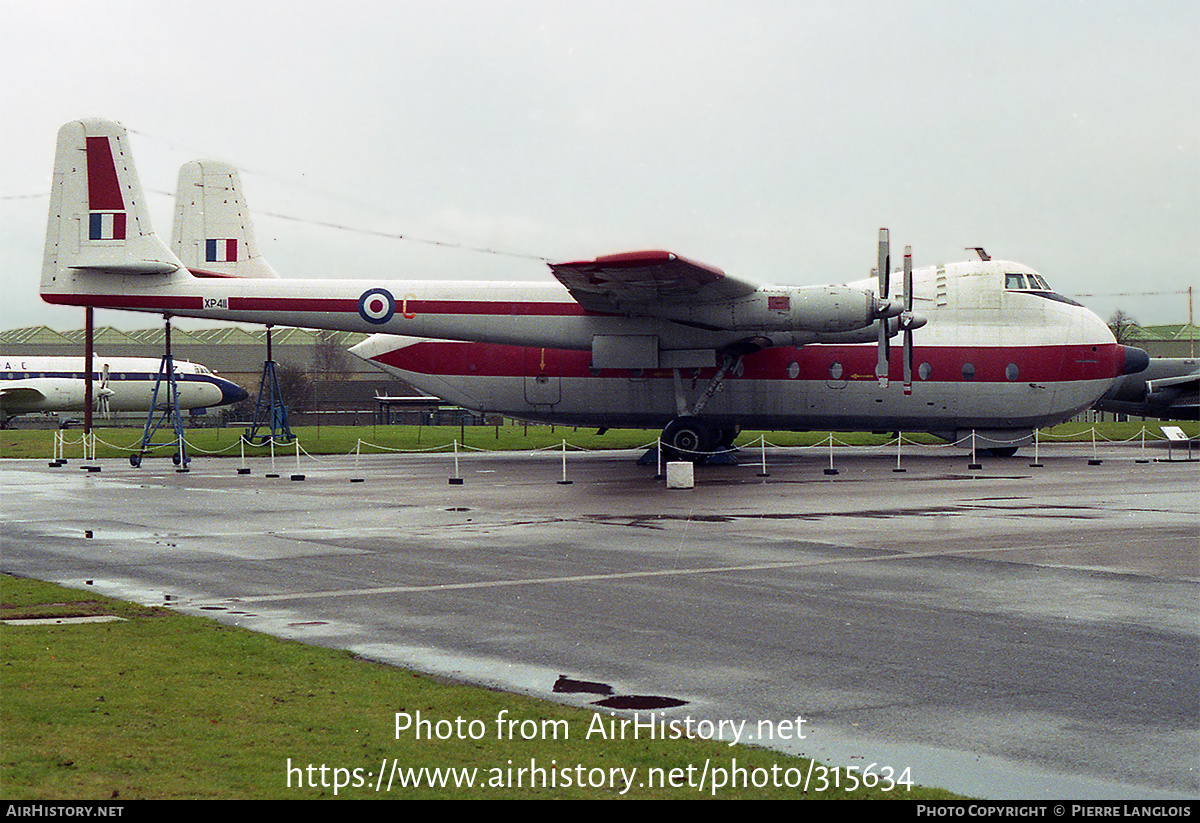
x=907, y=321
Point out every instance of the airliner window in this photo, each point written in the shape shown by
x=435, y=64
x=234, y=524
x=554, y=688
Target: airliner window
x=924, y=370
x=1040, y=283
x=968, y=371
x=1014, y=281
x=1012, y=372
x=835, y=371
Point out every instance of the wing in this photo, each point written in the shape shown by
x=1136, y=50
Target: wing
x=19, y=396
x=636, y=280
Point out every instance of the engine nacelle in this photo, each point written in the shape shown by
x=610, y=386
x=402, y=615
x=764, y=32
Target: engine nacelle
x=820, y=309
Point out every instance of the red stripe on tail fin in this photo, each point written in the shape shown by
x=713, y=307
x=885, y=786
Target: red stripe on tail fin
x=104, y=191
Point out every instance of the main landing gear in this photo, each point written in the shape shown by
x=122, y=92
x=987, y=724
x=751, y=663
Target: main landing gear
x=691, y=437
x=697, y=440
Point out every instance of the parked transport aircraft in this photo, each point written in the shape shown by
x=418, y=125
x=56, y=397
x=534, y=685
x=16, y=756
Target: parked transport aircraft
x=645, y=339
x=119, y=384
x=1168, y=389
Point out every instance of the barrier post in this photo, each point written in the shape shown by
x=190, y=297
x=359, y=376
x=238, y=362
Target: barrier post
x=89, y=452
x=1095, y=461
x=357, y=478
x=54, y=460
x=564, y=481
x=831, y=470
x=297, y=475
x=1143, y=458
x=974, y=464
x=456, y=480
x=181, y=454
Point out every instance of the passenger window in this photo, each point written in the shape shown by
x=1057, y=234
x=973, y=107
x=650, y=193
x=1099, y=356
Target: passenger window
x=1014, y=281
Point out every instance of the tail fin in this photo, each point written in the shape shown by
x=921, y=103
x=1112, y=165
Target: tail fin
x=213, y=235
x=98, y=222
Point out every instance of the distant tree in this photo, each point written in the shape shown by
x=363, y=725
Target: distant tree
x=329, y=357
x=296, y=386
x=1123, y=326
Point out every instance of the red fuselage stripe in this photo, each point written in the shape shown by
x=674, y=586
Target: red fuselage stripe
x=409, y=307
x=125, y=301
x=1033, y=364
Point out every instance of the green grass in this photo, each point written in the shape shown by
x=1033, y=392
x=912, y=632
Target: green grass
x=39, y=443
x=164, y=705
x=331, y=440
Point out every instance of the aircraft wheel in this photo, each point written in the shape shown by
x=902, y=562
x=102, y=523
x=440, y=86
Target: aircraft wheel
x=135, y=460
x=1006, y=451
x=687, y=438
x=176, y=459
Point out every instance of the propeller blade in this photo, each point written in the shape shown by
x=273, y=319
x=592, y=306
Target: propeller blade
x=885, y=266
x=885, y=270
x=105, y=393
x=907, y=318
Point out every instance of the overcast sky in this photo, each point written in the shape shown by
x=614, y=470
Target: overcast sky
x=770, y=139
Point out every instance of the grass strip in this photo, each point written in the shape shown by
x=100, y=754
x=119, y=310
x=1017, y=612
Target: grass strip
x=164, y=705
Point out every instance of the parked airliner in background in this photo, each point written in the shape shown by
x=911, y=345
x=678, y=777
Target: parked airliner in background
x=643, y=339
x=1168, y=389
x=119, y=384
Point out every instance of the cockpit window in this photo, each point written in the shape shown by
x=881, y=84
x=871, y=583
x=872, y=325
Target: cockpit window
x=1030, y=282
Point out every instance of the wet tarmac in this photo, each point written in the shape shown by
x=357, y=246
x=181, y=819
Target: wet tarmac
x=1007, y=632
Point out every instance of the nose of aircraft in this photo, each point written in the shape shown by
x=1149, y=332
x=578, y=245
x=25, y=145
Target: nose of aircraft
x=1136, y=360
x=232, y=393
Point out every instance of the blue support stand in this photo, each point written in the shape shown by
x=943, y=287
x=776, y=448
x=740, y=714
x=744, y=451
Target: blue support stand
x=269, y=409
x=167, y=409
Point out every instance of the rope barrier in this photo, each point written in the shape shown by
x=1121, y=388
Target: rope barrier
x=828, y=443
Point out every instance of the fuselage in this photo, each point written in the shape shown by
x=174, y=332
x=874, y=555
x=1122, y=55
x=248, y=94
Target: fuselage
x=1000, y=349
x=998, y=352
x=57, y=384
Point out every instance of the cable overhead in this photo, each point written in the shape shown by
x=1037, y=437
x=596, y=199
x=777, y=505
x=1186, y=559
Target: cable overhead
x=340, y=226
x=394, y=236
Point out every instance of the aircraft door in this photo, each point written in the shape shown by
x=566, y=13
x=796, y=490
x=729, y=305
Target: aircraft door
x=543, y=383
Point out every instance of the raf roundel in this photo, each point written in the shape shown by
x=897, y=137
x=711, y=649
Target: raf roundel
x=376, y=306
